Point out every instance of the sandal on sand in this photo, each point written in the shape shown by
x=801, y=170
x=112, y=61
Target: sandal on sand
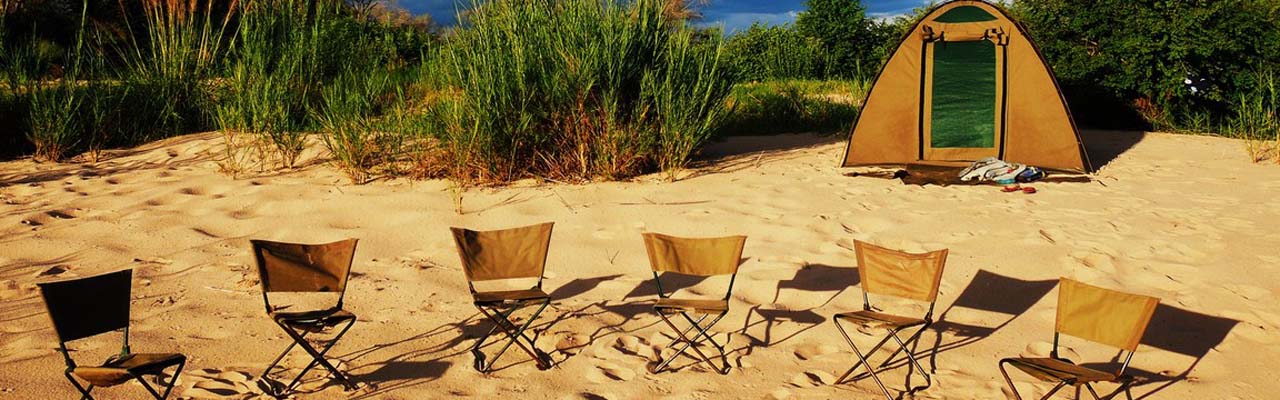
x=1028, y=190
x=1011, y=188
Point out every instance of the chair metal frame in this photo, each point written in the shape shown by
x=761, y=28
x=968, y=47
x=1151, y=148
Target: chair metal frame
x=902, y=347
x=703, y=330
x=299, y=336
x=493, y=310
x=124, y=353
x=924, y=324
x=1126, y=381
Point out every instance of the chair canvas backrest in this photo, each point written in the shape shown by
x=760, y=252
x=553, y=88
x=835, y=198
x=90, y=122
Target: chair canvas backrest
x=513, y=253
x=697, y=257
x=292, y=267
x=86, y=307
x=896, y=273
x=1105, y=316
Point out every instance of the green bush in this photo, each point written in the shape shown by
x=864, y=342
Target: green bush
x=794, y=106
x=574, y=89
x=1178, y=63
x=776, y=52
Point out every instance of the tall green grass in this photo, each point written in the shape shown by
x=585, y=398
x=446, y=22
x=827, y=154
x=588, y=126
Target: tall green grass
x=1257, y=117
x=273, y=76
x=54, y=116
x=793, y=106
x=348, y=116
x=574, y=89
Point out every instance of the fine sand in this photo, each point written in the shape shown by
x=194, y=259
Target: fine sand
x=1183, y=218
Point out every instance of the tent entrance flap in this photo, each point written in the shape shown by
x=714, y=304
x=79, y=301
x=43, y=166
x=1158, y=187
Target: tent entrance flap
x=961, y=119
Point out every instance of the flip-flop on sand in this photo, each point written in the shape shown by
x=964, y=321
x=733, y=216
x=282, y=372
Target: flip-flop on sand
x=1028, y=190
x=1011, y=188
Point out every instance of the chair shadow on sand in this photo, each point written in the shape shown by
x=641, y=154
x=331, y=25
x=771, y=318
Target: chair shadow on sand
x=403, y=371
x=809, y=278
x=1179, y=331
x=987, y=292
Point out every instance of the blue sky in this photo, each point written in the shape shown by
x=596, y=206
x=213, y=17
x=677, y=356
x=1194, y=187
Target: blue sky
x=734, y=14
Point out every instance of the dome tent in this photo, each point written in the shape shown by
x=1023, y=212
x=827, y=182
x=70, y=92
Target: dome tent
x=966, y=83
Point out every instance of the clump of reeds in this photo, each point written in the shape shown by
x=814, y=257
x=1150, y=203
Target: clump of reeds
x=1257, y=118
x=575, y=89
x=271, y=77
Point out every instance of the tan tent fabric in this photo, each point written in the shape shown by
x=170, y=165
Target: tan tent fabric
x=291, y=267
x=1105, y=316
x=898, y=273
x=503, y=254
x=1034, y=126
x=700, y=257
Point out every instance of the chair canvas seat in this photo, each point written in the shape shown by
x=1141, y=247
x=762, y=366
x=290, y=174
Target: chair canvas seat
x=117, y=371
x=699, y=306
x=878, y=319
x=314, y=320
x=1055, y=370
x=510, y=295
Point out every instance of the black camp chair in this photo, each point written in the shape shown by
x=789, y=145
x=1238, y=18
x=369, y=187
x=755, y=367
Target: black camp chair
x=702, y=257
x=318, y=268
x=86, y=307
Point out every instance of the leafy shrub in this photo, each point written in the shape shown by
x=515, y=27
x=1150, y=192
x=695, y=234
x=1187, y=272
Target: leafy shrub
x=776, y=52
x=574, y=89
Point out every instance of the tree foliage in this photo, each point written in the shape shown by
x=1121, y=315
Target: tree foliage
x=852, y=40
x=1172, y=60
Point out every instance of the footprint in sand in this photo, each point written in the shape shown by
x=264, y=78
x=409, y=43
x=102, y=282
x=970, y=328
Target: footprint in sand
x=813, y=378
x=809, y=351
x=616, y=372
x=571, y=343
x=631, y=345
x=216, y=384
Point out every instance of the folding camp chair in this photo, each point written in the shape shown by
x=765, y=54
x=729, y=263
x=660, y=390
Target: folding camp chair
x=505, y=255
x=1103, y=316
x=898, y=274
x=86, y=307
x=693, y=257
x=306, y=268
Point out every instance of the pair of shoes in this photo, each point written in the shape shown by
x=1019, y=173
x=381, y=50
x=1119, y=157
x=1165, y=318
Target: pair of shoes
x=1017, y=188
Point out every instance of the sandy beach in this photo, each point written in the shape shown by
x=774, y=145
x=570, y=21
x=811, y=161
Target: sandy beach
x=1184, y=218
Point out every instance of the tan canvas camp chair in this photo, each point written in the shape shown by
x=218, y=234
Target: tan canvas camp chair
x=693, y=257
x=508, y=254
x=899, y=274
x=306, y=268
x=1104, y=316
x=86, y=307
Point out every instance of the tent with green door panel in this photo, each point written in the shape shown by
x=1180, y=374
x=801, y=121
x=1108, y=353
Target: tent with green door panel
x=966, y=83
